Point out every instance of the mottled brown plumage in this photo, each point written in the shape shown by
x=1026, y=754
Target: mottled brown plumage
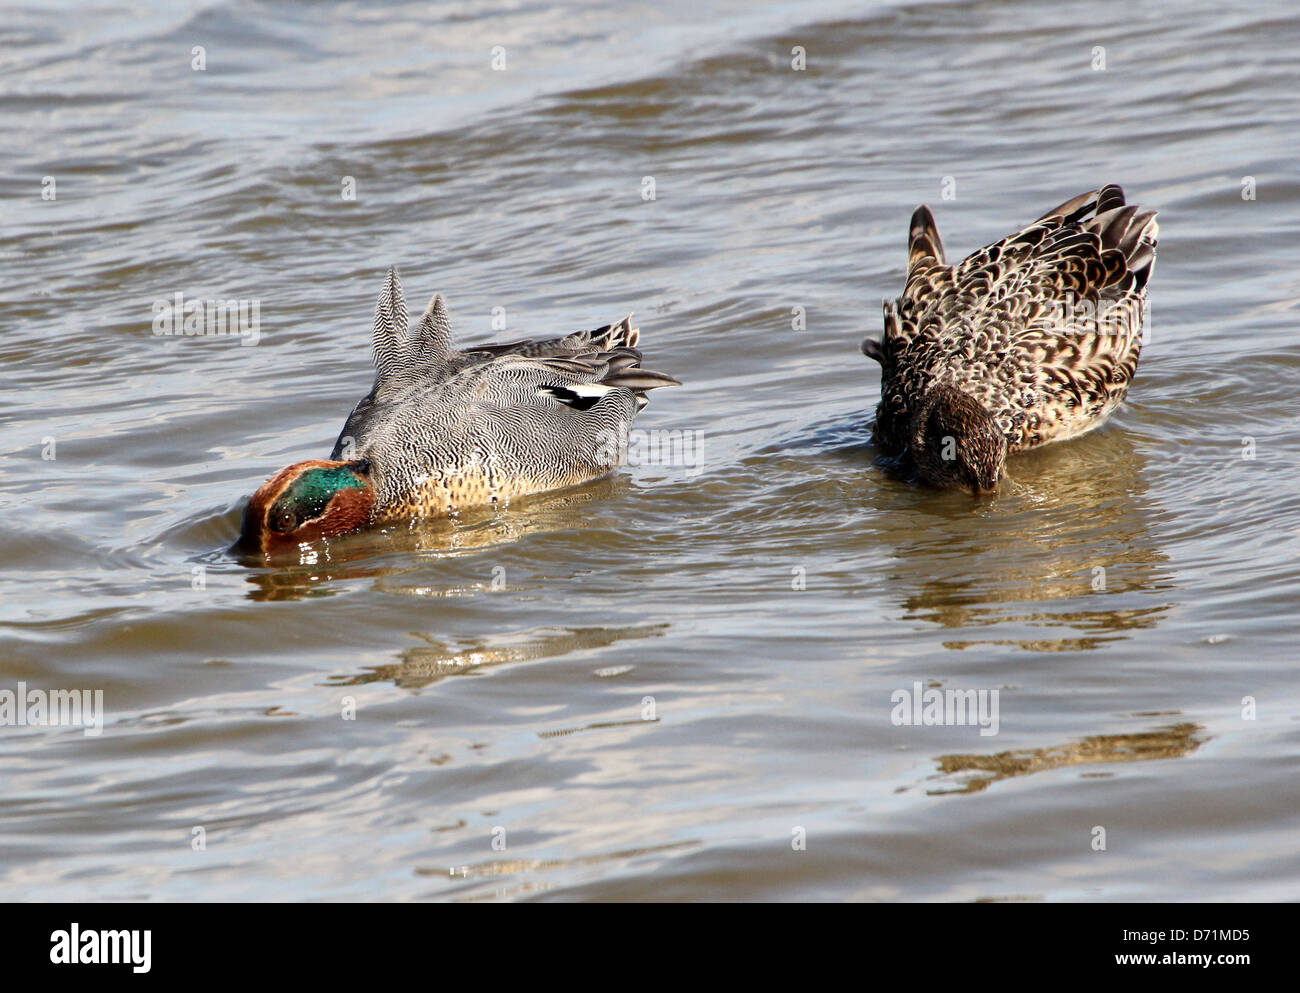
x=1033, y=339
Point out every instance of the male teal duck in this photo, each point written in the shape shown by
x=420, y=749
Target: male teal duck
x=1031, y=340
x=443, y=429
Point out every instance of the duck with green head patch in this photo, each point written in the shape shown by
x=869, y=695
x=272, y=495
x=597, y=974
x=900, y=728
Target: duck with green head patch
x=443, y=430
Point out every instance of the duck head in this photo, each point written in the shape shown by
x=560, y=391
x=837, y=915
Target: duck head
x=956, y=443
x=306, y=501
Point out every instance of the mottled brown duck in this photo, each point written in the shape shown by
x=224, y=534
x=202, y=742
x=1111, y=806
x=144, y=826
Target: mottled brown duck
x=1031, y=340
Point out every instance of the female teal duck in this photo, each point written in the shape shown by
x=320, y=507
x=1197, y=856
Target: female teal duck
x=1031, y=340
x=445, y=429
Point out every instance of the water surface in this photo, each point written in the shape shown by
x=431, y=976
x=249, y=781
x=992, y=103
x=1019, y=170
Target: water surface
x=662, y=685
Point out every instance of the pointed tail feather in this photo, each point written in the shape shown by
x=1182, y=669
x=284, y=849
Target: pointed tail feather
x=432, y=337
x=1073, y=209
x=1110, y=197
x=388, y=339
x=1077, y=208
x=621, y=333
x=923, y=238
x=1131, y=231
x=639, y=380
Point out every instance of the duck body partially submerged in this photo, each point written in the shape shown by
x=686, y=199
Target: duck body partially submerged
x=443, y=430
x=1031, y=340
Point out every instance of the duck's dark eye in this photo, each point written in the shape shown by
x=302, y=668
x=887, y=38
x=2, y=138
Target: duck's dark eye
x=284, y=522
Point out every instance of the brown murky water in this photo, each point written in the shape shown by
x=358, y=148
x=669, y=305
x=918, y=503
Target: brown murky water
x=678, y=683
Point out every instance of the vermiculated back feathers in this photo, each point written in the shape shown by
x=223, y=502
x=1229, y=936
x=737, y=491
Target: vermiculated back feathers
x=444, y=428
x=389, y=336
x=432, y=339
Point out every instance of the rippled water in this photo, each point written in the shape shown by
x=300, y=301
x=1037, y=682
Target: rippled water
x=659, y=685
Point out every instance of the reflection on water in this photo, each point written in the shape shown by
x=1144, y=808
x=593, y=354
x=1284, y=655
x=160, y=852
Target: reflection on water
x=767, y=604
x=973, y=773
x=595, y=726
x=511, y=867
x=426, y=664
x=1073, y=529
